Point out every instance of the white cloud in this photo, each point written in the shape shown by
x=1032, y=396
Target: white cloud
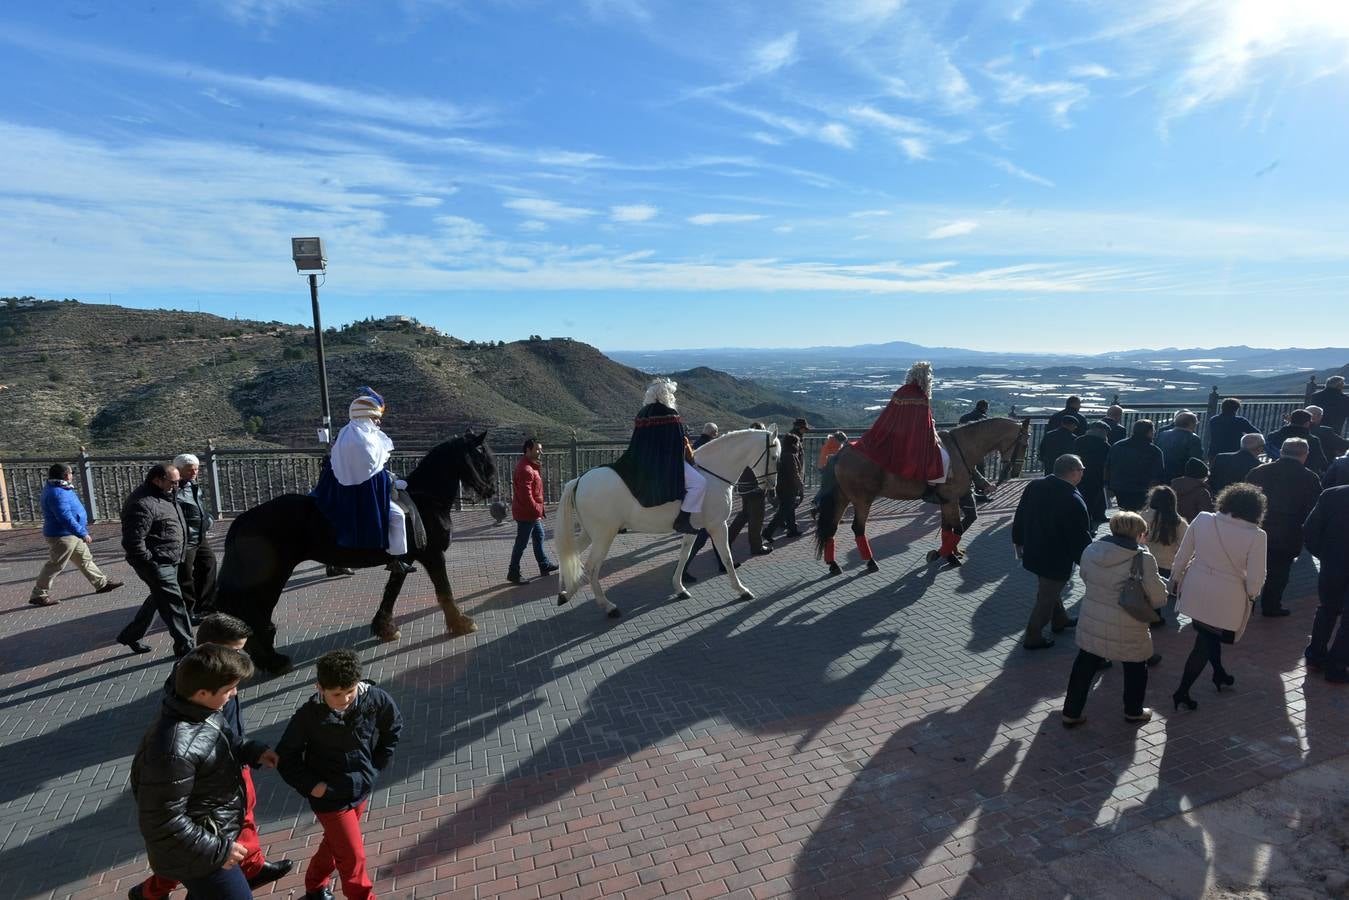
x=1090, y=70
x=634, y=213
x=407, y=110
x=549, y=210
x=1012, y=169
x=264, y=12
x=532, y=225
x=422, y=200
x=952, y=229
x=784, y=229
x=764, y=137
x=836, y=134
x=1059, y=96
x=722, y=218
x=915, y=148
x=868, y=213
x=213, y=94
x=770, y=56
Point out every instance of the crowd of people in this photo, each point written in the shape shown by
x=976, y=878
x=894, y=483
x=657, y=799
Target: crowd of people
x=1211, y=529
x=1214, y=531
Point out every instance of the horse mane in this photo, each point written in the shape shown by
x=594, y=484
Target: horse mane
x=445, y=462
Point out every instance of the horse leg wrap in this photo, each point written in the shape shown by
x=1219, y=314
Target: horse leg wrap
x=829, y=551
x=864, y=546
x=949, y=540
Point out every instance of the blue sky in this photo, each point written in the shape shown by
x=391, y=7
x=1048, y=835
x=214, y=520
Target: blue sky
x=644, y=174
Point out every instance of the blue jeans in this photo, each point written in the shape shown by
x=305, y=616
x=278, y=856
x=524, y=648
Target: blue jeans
x=222, y=884
x=523, y=532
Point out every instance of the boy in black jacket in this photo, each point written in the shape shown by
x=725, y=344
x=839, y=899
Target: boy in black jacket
x=186, y=778
x=333, y=748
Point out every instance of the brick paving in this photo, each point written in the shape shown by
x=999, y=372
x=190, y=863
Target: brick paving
x=863, y=736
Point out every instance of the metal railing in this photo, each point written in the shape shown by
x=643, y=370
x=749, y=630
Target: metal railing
x=236, y=480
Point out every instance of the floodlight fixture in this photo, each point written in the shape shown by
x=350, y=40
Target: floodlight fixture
x=308, y=254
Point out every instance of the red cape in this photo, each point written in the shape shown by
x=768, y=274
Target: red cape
x=903, y=441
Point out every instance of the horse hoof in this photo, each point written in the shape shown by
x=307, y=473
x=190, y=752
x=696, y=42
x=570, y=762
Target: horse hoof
x=562, y=599
x=463, y=626
x=683, y=595
x=835, y=569
x=953, y=562
x=615, y=613
x=747, y=596
x=872, y=567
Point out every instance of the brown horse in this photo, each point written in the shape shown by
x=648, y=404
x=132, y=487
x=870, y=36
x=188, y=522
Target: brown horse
x=859, y=481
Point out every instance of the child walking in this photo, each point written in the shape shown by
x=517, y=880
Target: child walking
x=333, y=749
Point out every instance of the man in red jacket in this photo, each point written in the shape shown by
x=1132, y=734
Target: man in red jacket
x=527, y=511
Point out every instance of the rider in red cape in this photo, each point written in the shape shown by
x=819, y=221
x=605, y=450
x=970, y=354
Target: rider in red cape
x=904, y=441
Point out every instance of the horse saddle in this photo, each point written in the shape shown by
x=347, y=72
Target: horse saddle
x=416, y=527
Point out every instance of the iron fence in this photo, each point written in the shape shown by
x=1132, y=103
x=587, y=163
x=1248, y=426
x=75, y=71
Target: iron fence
x=236, y=480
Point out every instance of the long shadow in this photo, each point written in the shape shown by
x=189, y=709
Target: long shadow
x=714, y=676
x=931, y=776
x=67, y=638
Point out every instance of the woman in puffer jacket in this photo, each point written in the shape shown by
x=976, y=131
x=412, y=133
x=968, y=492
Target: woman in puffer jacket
x=1219, y=568
x=1105, y=631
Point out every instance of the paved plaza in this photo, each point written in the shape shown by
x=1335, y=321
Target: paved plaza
x=861, y=736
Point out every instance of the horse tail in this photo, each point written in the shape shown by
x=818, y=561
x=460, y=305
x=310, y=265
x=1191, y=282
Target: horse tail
x=828, y=513
x=567, y=557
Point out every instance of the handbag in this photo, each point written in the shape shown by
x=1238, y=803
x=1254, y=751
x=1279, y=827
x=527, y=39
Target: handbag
x=1133, y=599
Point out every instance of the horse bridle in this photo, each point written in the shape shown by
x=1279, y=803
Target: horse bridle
x=1007, y=471
x=760, y=480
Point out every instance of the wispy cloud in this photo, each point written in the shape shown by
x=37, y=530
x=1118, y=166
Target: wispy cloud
x=836, y=134
x=868, y=213
x=425, y=201
x=548, y=210
x=952, y=229
x=915, y=148
x=722, y=218
x=634, y=213
x=768, y=57
x=403, y=109
x=213, y=94
x=1012, y=168
x=1090, y=70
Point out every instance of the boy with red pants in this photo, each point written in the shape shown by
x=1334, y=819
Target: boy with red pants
x=333, y=749
x=226, y=631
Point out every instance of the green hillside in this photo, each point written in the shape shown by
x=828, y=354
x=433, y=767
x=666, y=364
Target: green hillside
x=111, y=378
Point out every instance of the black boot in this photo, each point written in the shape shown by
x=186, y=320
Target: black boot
x=401, y=565
x=682, y=525
x=930, y=495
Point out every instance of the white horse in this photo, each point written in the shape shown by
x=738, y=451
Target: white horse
x=601, y=504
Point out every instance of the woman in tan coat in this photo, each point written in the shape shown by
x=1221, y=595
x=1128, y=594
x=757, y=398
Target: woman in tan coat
x=1219, y=569
x=1104, y=629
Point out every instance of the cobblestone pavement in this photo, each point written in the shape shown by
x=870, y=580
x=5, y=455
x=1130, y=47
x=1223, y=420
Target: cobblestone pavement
x=862, y=736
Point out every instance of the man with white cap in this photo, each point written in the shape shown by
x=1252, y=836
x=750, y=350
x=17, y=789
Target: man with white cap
x=354, y=490
x=196, y=573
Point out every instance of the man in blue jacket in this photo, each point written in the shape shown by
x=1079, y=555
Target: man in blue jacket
x=65, y=525
x=1326, y=532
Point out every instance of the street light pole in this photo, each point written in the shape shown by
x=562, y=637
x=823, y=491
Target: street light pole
x=323, y=369
x=309, y=257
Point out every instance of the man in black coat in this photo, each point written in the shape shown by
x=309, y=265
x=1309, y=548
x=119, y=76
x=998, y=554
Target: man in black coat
x=1071, y=410
x=153, y=536
x=751, y=509
x=1333, y=400
x=1060, y=439
x=1290, y=491
x=791, y=481
x=1299, y=426
x=1229, y=468
x=1179, y=444
x=1049, y=532
x=1226, y=429
x=1326, y=533
x=1094, y=449
x=1337, y=474
x=186, y=779
x=1333, y=445
x=1114, y=420
x=978, y=414
x=196, y=575
x=1134, y=466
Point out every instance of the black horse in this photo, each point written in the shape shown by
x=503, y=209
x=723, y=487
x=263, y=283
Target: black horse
x=266, y=543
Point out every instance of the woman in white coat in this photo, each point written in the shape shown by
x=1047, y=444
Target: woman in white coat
x=1105, y=630
x=1218, y=569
